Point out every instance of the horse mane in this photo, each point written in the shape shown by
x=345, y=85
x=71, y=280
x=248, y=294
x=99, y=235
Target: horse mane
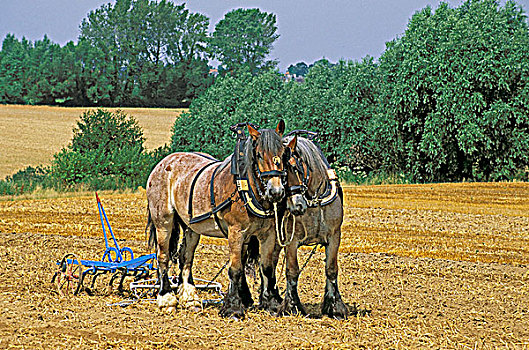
x=311, y=155
x=269, y=142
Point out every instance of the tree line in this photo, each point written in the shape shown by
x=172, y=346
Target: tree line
x=447, y=101
x=134, y=53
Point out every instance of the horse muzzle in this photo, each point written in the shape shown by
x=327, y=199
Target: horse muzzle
x=297, y=204
x=274, y=193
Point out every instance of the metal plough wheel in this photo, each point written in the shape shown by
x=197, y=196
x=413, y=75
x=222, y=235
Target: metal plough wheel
x=69, y=276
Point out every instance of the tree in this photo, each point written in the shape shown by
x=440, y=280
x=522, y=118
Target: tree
x=300, y=69
x=244, y=38
x=141, y=39
x=457, y=92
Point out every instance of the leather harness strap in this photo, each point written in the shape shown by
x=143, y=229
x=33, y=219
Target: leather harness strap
x=199, y=218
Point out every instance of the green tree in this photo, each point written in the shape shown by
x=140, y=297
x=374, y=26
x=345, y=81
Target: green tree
x=14, y=69
x=457, y=93
x=244, y=38
x=137, y=43
x=340, y=103
x=106, y=152
x=300, y=69
x=231, y=99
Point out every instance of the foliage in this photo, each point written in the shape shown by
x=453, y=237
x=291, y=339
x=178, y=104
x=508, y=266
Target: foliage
x=24, y=181
x=243, y=38
x=32, y=73
x=457, y=93
x=338, y=101
x=299, y=69
x=106, y=152
x=335, y=101
x=131, y=53
x=149, y=52
x=232, y=99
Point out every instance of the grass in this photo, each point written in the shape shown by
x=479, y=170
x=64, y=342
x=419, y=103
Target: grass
x=30, y=135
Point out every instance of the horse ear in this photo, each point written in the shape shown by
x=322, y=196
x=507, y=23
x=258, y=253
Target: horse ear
x=253, y=133
x=292, y=144
x=280, y=129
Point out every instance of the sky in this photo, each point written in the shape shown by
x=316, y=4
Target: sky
x=309, y=29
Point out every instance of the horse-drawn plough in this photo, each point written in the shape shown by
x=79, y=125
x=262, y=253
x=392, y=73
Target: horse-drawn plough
x=72, y=273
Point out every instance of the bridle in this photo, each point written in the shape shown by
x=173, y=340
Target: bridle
x=258, y=176
x=299, y=168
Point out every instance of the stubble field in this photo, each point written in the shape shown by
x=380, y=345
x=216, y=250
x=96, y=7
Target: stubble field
x=429, y=266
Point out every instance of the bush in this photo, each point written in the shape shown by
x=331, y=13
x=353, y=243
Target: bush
x=232, y=99
x=106, y=152
x=457, y=93
x=337, y=101
x=24, y=181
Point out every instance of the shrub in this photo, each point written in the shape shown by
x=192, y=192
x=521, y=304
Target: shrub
x=106, y=152
x=24, y=181
x=457, y=93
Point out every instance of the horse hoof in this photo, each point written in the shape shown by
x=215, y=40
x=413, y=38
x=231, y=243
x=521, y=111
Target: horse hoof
x=337, y=311
x=188, y=297
x=233, y=314
x=291, y=309
x=167, y=301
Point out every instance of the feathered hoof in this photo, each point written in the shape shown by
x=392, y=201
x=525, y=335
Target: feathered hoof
x=167, y=302
x=291, y=308
x=188, y=298
x=336, y=310
x=232, y=308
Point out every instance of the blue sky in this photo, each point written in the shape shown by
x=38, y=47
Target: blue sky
x=309, y=29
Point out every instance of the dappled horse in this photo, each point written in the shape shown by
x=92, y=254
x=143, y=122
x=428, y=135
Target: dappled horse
x=312, y=184
x=195, y=193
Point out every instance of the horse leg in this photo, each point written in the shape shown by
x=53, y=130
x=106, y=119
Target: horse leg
x=233, y=306
x=187, y=293
x=291, y=304
x=333, y=306
x=166, y=299
x=250, y=257
x=269, y=298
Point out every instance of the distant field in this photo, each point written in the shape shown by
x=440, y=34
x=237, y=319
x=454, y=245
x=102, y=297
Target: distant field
x=30, y=135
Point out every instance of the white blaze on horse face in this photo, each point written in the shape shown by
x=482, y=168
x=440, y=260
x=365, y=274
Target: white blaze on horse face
x=274, y=189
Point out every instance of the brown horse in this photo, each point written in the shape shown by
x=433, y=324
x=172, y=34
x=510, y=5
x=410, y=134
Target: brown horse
x=182, y=192
x=313, y=185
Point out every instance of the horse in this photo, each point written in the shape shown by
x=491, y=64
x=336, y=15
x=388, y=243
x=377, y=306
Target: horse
x=314, y=185
x=250, y=182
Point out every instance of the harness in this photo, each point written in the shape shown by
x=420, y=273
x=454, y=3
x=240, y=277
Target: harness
x=333, y=188
x=241, y=179
x=214, y=208
x=243, y=187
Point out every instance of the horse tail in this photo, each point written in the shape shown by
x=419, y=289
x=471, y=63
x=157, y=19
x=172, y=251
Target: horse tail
x=178, y=224
x=150, y=229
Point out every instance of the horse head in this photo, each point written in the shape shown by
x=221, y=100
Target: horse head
x=297, y=179
x=307, y=175
x=266, y=158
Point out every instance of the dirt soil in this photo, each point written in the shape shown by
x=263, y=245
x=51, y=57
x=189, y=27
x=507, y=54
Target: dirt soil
x=431, y=266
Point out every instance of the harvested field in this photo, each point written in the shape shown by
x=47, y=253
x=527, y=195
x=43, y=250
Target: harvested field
x=429, y=266
x=32, y=134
